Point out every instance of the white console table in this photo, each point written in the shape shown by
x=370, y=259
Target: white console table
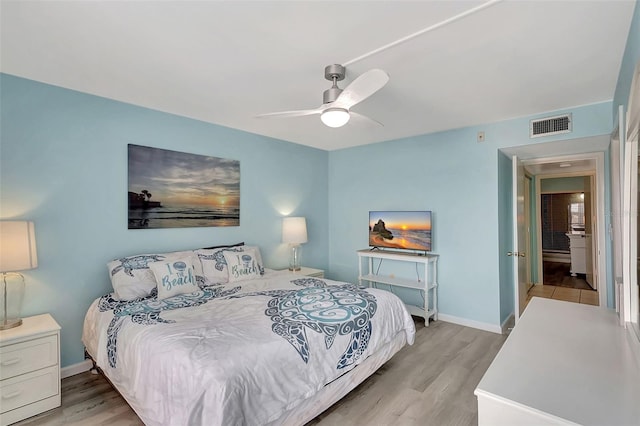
x=563, y=364
x=427, y=284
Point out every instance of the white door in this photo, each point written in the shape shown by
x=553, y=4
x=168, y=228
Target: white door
x=617, y=177
x=519, y=240
x=630, y=233
x=590, y=231
x=527, y=229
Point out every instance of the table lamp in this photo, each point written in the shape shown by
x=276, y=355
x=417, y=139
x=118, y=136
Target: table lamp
x=294, y=232
x=17, y=253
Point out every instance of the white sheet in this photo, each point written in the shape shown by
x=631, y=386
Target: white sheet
x=239, y=358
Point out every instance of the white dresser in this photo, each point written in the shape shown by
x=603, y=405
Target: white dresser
x=29, y=368
x=563, y=364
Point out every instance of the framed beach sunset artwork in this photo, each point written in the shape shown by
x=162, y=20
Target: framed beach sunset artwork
x=170, y=189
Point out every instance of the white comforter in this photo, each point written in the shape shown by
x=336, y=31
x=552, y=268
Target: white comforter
x=242, y=353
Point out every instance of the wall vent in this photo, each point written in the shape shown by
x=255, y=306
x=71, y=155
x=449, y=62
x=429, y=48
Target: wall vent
x=550, y=126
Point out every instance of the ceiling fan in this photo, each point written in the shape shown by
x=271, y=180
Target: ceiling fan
x=335, y=110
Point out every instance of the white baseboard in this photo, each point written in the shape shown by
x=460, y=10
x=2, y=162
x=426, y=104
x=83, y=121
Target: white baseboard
x=510, y=322
x=494, y=328
x=72, y=370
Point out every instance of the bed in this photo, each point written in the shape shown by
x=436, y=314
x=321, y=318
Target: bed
x=266, y=348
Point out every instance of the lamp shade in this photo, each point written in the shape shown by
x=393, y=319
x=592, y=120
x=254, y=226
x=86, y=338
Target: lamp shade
x=17, y=246
x=294, y=230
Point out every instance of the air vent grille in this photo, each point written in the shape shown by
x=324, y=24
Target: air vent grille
x=550, y=126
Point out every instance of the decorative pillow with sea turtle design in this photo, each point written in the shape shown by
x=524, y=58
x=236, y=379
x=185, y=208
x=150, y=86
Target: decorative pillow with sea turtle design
x=131, y=277
x=177, y=276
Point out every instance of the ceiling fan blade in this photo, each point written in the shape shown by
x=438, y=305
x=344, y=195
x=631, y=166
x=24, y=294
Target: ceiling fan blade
x=298, y=113
x=361, y=88
x=361, y=117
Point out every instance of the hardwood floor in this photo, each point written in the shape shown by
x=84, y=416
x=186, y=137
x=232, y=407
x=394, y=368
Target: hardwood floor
x=559, y=274
x=87, y=399
x=429, y=383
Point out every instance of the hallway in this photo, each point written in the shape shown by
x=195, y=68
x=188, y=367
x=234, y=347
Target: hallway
x=560, y=285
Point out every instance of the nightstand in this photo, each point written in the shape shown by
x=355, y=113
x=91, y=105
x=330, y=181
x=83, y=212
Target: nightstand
x=309, y=272
x=29, y=368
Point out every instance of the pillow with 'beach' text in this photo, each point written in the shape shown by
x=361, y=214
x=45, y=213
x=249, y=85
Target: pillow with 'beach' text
x=242, y=265
x=176, y=276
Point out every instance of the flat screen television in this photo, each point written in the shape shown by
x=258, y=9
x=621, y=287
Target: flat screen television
x=404, y=230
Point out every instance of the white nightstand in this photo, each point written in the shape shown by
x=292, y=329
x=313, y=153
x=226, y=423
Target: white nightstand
x=309, y=272
x=29, y=368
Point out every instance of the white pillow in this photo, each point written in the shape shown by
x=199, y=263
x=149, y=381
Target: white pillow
x=214, y=264
x=131, y=277
x=242, y=265
x=176, y=276
x=258, y=256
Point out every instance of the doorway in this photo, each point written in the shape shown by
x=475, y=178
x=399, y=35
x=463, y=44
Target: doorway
x=567, y=216
x=545, y=158
x=566, y=232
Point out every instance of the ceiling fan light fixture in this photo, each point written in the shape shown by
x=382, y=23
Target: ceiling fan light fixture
x=335, y=117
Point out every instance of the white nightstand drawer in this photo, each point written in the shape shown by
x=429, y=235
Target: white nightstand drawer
x=28, y=356
x=28, y=388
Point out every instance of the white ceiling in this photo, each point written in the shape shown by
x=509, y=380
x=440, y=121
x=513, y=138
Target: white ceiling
x=226, y=61
x=556, y=168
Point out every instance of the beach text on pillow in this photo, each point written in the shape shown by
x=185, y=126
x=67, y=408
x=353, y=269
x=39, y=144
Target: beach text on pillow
x=176, y=276
x=242, y=265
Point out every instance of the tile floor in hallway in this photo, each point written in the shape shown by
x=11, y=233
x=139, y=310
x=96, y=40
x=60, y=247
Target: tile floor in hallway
x=588, y=297
x=560, y=285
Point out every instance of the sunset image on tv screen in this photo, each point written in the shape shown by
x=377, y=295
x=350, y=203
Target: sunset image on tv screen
x=409, y=230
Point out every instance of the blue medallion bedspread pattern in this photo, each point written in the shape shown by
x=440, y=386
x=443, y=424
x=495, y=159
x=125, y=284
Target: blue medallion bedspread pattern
x=241, y=353
x=146, y=311
x=328, y=310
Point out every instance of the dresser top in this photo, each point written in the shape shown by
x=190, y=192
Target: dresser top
x=570, y=361
x=30, y=327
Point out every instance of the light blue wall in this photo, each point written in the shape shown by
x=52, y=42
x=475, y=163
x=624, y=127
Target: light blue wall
x=621, y=97
x=566, y=184
x=629, y=61
x=456, y=177
x=63, y=164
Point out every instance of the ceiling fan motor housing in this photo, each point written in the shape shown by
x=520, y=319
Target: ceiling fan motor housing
x=333, y=73
x=331, y=95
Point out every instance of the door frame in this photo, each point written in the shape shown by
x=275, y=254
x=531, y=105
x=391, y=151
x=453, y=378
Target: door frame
x=616, y=169
x=518, y=251
x=598, y=240
x=528, y=180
